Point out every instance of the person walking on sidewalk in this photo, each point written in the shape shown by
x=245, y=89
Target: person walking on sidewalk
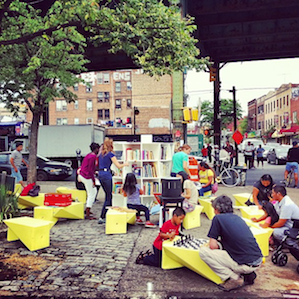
x=240, y=257
x=86, y=175
x=259, y=155
x=16, y=160
x=209, y=152
x=106, y=158
x=132, y=191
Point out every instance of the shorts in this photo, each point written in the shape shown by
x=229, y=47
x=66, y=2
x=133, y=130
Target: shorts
x=16, y=175
x=290, y=165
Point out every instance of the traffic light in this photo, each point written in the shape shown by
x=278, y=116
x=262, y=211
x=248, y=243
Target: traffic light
x=190, y=114
x=194, y=113
x=208, y=132
x=187, y=114
x=213, y=74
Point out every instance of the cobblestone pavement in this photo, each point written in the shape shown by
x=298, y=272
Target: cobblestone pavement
x=84, y=262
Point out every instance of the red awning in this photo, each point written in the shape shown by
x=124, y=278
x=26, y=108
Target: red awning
x=292, y=130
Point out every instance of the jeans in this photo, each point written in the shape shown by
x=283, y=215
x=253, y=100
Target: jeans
x=140, y=208
x=105, y=178
x=17, y=175
x=155, y=259
x=205, y=189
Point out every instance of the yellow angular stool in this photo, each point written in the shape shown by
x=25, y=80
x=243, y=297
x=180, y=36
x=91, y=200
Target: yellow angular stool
x=207, y=206
x=29, y=201
x=261, y=235
x=18, y=188
x=116, y=222
x=174, y=257
x=131, y=217
x=241, y=198
x=192, y=219
x=51, y=213
x=251, y=212
x=80, y=195
x=33, y=233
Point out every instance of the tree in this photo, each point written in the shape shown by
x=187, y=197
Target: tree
x=226, y=109
x=243, y=125
x=41, y=52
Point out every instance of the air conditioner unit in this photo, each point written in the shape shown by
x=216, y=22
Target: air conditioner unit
x=128, y=125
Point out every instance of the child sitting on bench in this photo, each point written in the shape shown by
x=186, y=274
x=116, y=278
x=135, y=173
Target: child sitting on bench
x=169, y=230
x=132, y=191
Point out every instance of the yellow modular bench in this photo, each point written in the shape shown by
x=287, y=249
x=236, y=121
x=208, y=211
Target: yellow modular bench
x=116, y=221
x=174, y=257
x=18, y=188
x=192, y=219
x=241, y=198
x=207, y=206
x=51, y=213
x=261, y=235
x=251, y=212
x=33, y=233
x=79, y=195
x=29, y=201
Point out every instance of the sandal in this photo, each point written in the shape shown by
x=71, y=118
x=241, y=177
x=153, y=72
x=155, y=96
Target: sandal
x=140, y=257
x=90, y=217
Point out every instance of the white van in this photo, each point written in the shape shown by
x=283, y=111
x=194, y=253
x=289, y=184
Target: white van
x=254, y=141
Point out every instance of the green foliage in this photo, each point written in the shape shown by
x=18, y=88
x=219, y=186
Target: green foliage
x=226, y=109
x=8, y=204
x=243, y=125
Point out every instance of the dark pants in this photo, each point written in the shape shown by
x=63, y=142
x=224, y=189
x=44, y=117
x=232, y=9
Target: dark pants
x=205, y=189
x=155, y=259
x=140, y=208
x=248, y=161
x=105, y=178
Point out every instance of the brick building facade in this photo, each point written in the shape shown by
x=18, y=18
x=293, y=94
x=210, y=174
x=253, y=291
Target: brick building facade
x=109, y=99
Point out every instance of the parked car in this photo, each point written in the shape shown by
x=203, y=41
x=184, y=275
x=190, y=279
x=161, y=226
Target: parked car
x=46, y=169
x=267, y=147
x=278, y=155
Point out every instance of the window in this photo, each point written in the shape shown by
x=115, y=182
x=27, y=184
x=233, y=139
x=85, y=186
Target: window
x=271, y=106
x=129, y=104
x=76, y=104
x=107, y=114
x=61, y=121
x=277, y=104
x=89, y=105
x=294, y=116
x=287, y=100
x=280, y=103
x=129, y=85
x=76, y=121
x=61, y=105
x=100, y=97
x=284, y=101
x=100, y=78
x=100, y=114
x=89, y=86
x=117, y=87
x=76, y=87
x=89, y=120
x=106, y=78
x=106, y=96
x=274, y=105
x=117, y=104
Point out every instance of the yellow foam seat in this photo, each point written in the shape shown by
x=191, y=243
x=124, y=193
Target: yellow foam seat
x=208, y=193
x=192, y=219
x=50, y=213
x=116, y=222
x=251, y=212
x=261, y=235
x=79, y=195
x=29, y=201
x=207, y=206
x=174, y=257
x=241, y=198
x=33, y=233
x=18, y=188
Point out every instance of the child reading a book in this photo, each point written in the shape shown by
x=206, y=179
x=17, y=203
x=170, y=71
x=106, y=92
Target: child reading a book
x=132, y=191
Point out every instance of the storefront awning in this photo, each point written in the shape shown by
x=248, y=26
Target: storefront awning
x=291, y=131
x=276, y=134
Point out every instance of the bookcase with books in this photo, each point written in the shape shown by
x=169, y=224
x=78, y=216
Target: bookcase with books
x=150, y=162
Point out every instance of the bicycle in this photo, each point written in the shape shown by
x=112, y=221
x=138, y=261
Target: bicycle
x=228, y=176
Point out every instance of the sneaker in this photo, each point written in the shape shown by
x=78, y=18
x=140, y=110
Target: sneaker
x=232, y=284
x=249, y=278
x=101, y=221
x=149, y=224
x=139, y=221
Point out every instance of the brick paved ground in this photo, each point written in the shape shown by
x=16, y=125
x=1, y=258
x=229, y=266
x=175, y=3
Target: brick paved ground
x=86, y=263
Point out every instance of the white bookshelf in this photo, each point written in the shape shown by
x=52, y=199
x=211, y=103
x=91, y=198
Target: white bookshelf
x=149, y=161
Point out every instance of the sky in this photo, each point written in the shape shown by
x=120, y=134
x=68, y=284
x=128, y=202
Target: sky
x=251, y=79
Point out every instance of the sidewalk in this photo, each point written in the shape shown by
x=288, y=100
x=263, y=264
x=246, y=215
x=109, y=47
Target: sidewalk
x=83, y=262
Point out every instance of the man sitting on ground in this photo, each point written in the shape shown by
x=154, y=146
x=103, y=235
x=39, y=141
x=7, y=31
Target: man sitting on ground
x=241, y=255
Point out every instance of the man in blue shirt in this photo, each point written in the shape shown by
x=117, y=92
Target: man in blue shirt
x=241, y=255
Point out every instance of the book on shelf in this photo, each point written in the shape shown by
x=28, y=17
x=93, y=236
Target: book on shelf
x=147, y=155
x=137, y=170
x=117, y=186
x=166, y=169
x=129, y=154
x=163, y=153
x=149, y=170
x=149, y=188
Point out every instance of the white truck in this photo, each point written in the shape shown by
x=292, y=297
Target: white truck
x=62, y=143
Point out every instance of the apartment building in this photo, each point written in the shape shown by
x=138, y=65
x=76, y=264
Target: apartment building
x=124, y=101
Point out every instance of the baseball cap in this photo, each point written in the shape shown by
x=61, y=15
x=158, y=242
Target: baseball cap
x=295, y=143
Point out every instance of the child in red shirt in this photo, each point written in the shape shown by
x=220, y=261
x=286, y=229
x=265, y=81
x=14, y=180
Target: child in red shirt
x=168, y=231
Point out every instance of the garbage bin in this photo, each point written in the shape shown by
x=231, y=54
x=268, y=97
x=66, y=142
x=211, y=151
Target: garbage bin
x=242, y=170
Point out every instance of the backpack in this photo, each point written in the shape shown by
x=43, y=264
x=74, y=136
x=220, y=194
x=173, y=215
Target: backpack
x=34, y=191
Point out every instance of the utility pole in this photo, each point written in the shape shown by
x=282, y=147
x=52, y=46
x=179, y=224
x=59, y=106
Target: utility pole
x=235, y=120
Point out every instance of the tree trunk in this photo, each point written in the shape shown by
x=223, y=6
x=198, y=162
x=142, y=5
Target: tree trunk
x=31, y=177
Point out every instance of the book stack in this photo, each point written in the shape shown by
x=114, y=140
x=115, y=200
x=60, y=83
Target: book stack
x=147, y=155
x=149, y=188
x=149, y=170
